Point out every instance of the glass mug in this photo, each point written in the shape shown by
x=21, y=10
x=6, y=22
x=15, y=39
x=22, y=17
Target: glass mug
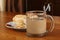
x=36, y=23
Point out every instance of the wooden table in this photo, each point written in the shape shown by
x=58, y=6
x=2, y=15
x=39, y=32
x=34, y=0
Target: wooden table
x=10, y=34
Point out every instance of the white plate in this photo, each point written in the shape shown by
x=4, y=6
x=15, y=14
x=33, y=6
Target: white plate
x=12, y=26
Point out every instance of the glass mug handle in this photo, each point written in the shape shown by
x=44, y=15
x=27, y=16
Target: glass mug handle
x=52, y=23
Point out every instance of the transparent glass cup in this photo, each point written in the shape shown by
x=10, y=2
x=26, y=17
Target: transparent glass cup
x=36, y=23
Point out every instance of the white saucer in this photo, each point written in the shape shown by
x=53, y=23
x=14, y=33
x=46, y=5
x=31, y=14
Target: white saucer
x=12, y=26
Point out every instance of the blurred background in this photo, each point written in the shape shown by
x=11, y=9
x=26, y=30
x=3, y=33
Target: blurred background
x=26, y=5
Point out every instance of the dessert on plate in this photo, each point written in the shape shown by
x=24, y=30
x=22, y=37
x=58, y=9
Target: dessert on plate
x=20, y=21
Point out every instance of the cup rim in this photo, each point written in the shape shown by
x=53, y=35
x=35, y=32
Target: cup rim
x=36, y=11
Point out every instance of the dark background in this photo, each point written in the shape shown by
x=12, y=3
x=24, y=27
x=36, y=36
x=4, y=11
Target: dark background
x=38, y=5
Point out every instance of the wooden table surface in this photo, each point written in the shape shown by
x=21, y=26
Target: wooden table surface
x=10, y=34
